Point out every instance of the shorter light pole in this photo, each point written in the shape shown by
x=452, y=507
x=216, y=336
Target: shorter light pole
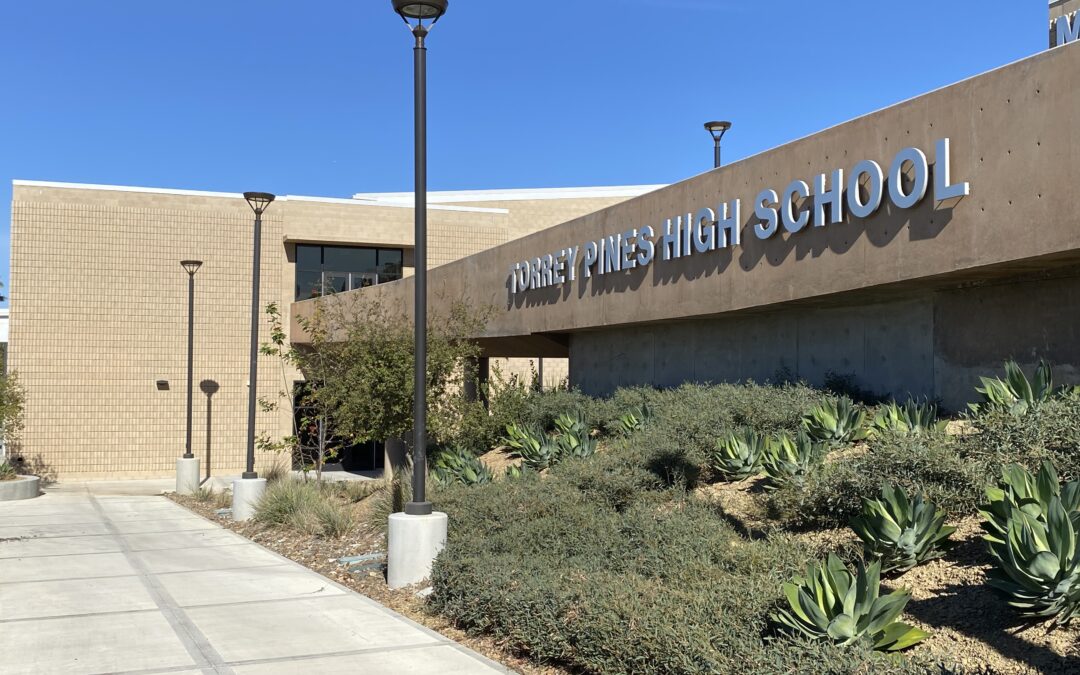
x=249, y=489
x=187, y=467
x=717, y=131
x=191, y=267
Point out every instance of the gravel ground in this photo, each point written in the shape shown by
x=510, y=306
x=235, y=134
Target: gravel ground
x=969, y=623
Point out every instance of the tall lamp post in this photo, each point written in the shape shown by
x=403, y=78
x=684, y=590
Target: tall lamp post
x=717, y=131
x=248, y=490
x=187, y=467
x=416, y=536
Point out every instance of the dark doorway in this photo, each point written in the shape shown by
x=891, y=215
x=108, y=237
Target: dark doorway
x=340, y=454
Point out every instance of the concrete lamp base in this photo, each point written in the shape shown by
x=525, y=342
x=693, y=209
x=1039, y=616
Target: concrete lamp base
x=412, y=542
x=187, y=475
x=246, y=494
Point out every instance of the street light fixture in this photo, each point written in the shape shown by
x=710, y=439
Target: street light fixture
x=415, y=14
x=717, y=131
x=415, y=537
x=187, y=467
x=191, y=267
x=259, y=202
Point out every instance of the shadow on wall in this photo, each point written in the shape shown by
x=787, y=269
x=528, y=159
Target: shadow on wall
x=209, y=387
x=924, y=221
x=35, y=465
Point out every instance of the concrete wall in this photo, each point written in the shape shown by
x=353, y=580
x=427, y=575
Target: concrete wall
x=935, y=344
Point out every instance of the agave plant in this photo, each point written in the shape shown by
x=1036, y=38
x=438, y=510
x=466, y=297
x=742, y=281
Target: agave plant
x=455, y=465
x=1016, y=393
x=534, y=446
x=836, y=422
x=1037, y=561
x=788, y=461
x=832, y=603
x=913, y=418
x=572, y=424
x=1019, y=489
x=635, y=420
x=514, y=471
x=901, y=531
x=738, y=456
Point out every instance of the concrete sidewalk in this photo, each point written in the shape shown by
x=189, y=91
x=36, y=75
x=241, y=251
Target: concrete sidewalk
x=114, y=583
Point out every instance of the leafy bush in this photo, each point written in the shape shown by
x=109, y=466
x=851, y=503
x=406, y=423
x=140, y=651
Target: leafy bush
x=912, y=417
x=832, y=495
x=7, y=471
x=832, y=603
x=836, y=422
x=788, y=461
x=558, y=570
x=1050, y=431
x=454, y=465
x=1033, y=526
x=738, y=456
x=901, y=531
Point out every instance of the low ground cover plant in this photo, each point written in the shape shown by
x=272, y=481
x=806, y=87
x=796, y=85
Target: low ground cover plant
x=7, y=471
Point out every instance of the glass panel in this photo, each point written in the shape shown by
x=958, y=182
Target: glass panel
x=362, y=280
x=308, y=257
x=355, y=259
x=389, y=265
x=308, y=284
x=335, y=282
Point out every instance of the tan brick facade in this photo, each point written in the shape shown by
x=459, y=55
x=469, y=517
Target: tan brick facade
x=99, y=311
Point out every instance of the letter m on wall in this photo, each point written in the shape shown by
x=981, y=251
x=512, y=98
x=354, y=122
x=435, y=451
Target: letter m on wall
x=1064, y=29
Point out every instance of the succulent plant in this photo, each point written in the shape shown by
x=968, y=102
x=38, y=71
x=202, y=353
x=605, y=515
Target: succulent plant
x=836, y=422
x=635, y=420
x=1016, y=393
x=514, y=471
x=1019, y=489
x=534, y=446
x=789, y=460
x=573, y=445
x=455, y=465
x=572, y=424
x=901, y=531
x=913, y=418
x=833, y=603
x=738, y=456
x=1037, y=561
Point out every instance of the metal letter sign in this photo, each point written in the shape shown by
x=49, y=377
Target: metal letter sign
x=1066, y=29
x=705, y=229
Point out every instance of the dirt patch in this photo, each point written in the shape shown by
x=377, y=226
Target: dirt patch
x=498, y=460
x=322, y=555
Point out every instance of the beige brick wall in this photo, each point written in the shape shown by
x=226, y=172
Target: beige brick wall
x=99, y=312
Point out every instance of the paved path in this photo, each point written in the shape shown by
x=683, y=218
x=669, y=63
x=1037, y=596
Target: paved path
x=120, y=583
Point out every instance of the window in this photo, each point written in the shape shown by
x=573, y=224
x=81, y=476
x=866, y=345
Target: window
x=335, y=269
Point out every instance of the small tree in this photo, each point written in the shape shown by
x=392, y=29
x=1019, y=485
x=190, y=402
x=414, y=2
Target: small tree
x=12, y=398
x=307, y=410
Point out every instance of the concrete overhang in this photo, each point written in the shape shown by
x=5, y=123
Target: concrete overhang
x=1013, y=138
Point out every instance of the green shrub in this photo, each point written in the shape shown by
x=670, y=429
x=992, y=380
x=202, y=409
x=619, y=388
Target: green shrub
x=284, y=498
x=901, y=531
x=833, y=604
x=738, y=455
x=600, y=567
x=832, y=495
x=7, y=471
x=836, y=422
x=1050, y=431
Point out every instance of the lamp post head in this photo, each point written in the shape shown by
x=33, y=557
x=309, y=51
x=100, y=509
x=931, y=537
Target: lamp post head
x=191, y=266
x=419, y=11
x=717, y=129
x=258, y=201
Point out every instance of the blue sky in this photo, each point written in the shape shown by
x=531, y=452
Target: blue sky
x=315, y=98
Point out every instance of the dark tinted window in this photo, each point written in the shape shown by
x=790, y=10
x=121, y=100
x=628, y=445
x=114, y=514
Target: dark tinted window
x=334, y=269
